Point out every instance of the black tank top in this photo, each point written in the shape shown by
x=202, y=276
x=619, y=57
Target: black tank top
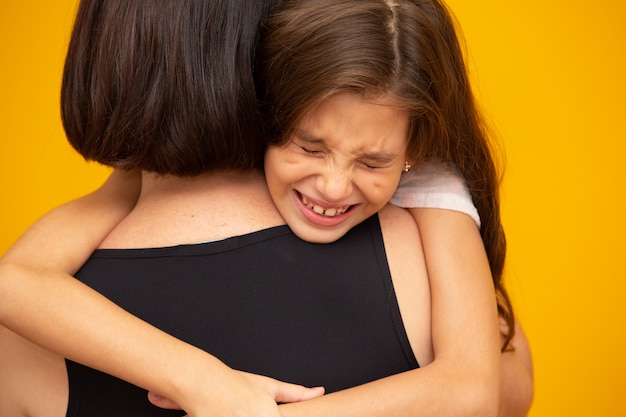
x=265, y=302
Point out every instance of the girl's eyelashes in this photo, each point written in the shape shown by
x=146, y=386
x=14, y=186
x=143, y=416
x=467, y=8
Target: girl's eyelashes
x=374, y=164
x=368, y=161
x=365, y=163
x=370, y=166
x=307, y=149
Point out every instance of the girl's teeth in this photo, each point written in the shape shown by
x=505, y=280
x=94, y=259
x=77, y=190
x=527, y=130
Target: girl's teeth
x=331, y=212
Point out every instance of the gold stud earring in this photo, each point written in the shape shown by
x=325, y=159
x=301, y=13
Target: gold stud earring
x=407, y=166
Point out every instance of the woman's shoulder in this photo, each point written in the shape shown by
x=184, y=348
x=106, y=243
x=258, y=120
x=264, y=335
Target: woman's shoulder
x=398, y=226
x=200, y=209
x=405, y=256
x=400, y=232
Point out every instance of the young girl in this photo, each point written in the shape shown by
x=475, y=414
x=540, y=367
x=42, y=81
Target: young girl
x=122, y=346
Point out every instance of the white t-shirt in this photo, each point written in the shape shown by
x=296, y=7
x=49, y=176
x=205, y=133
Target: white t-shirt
x=435, y=185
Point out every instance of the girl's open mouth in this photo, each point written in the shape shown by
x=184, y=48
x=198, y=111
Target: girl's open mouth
x=323, y=211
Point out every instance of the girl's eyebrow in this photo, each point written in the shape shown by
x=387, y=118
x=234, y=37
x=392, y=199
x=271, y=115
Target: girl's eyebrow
x=378, y=157
x=381, y=158
x=308, y=137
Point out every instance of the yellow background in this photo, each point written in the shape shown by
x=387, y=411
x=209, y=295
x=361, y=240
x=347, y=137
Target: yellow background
x=551, y=77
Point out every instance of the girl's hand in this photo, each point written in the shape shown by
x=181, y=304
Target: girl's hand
x=252, y=398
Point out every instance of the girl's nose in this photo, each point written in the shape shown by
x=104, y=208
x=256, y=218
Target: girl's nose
x=335, y=184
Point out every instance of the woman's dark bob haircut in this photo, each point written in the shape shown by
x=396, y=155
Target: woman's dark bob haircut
x=164, y=86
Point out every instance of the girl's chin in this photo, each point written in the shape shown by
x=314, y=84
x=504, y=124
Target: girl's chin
x=320, y=235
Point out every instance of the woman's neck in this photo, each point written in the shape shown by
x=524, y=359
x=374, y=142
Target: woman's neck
x=180, y=210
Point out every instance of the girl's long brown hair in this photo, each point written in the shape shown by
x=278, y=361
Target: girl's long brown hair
x=407, y=49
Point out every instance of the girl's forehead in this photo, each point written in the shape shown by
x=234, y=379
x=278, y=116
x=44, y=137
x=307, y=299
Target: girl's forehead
x=353, y=122
x=350, y=99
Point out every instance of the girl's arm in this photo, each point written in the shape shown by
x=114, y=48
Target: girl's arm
x=464, y=331
x=458, y=234
x=457, y=268
x=436, y=388
x=443, y=209
x=82, y=223
x=463, y=379
x=43, y=303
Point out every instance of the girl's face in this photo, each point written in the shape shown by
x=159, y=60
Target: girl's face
x=341, y=166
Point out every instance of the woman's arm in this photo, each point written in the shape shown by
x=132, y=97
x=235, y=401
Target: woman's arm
x=43, y=303
x=517, y=389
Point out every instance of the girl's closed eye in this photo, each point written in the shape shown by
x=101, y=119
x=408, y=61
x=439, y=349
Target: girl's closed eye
x=308, y=150
x=308, y=143
x=370, y=165
x=376, y=161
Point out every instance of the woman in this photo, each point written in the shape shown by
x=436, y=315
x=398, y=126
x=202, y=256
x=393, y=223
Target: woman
x=155, y=185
